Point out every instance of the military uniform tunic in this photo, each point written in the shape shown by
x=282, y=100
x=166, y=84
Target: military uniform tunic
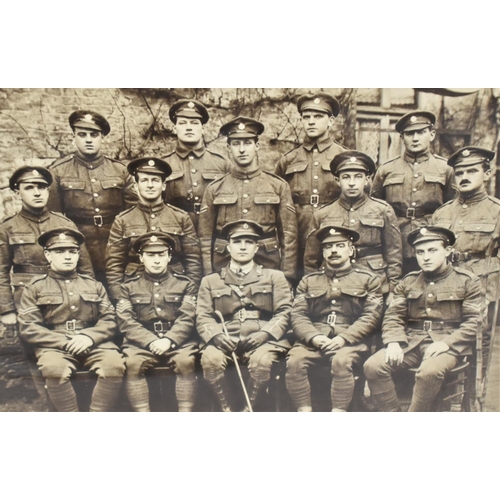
x=307, y=171
x=415, y=186
x=192, y=171
x=476, y=224
x=91, y=194
x=23, y=256
x=128, y=226
x=379, y=248
x=258, y=196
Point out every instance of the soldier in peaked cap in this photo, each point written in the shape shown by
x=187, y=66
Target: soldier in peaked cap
x=248, y=192
x=379, y=247
x=430, y=324
x=417, y=183
x=89, y=188
x=194, y=165
x=69, y=321
x=307, y=167
x=156, y=315
x=255, y=303
x=150, y=214
x=21, y=259
x=334, y=315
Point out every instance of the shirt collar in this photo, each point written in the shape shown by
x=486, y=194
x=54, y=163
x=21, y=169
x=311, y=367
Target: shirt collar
x=96, y=162
x=323, y=144
x=35, y=216
x=244, y=269
x=182, y=150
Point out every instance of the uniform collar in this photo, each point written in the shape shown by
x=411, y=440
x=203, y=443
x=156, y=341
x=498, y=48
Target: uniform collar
x=346, y=203
x=245, y=269
x=438, y=276
x=421, y=157
x=182, y=150
x=336, y=274
x=35, y=216
x=245, y=173
x=155, y=278
x=474, y=198
x=96, y=162
x=321, y=145
x=151, y=208
x=63, y=276
x=230, y=277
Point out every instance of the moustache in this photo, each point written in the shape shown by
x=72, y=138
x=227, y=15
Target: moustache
x=463, y=183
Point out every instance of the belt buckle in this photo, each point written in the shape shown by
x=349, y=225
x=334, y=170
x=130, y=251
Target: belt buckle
x=314, y=199
x=71, y=325
x=242, y=315
x=332, y=318
x=158, y=327
x=410, y=213
x=98, y=220
x=197, y=208
x=427, y=326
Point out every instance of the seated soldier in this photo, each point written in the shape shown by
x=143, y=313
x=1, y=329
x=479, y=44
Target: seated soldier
x=334, y=314
x=255, y=303
x=431, y=322
x=68, y=319
x=156, y=314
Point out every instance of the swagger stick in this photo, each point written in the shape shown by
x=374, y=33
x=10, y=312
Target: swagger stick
x=235, y=359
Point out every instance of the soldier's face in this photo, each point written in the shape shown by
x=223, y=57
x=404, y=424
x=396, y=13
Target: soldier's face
x=418, y=141
x=155, y=262
x=243, y=151
x=88, y=142
x=33, y=195
x=62, y=260
x=316, y=124
x=352, y=184
x=431, y=255
x=471, y=179
x=242, y=250
x=188, y=130
x=149, y=187
x=337, y=254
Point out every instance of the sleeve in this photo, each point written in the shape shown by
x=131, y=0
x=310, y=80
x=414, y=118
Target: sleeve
x=464, y=337
x=392, y=248
x=313, y=256
x=207, y=325
x=130, y=197
x=287, y=232
x=6, y=298
x=302, y=326
x=206, y=227
x=84, y=263
x=184, y=324
x=55, y=201
x=394, y=323
x=190, y=251
x=116, y=257
x=280, y=168
x=369, y=320
x=279, y=324
x=450, y=189
x=377, y=190
x=31, y=323
x=105, y=328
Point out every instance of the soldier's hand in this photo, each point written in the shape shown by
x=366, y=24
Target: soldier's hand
x=435, y=349
x=225, y=344
x=394, y=354
x=160, y=346
x=79, y=344
x=333, y=345
x=319, y=340
x=9, y=318
x=254, y=340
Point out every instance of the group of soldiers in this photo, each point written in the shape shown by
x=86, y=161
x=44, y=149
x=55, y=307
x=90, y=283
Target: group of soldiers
x=201, y=258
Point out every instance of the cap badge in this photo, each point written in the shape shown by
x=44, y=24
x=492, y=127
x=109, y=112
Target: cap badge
x=245, y=226
x=241, y=126
x=88, y=118
x=62, y=236
x=466, y=152
x=151, y=163
x=35, y=173
x=316, y=101
x=423, y=231
x=333, y=231
x=353, y=159
x=154, y=238
x=191, y=105
x=413, y=119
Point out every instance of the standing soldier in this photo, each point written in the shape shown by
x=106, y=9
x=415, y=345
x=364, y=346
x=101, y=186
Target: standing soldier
x=255, y=303
x=150, y=214
x=417, y=183
x=247, y=192
x=156, y=314
x=193, y=165
x=432, y=321
x=379, y=247
x=307, y=167
x=68, y=319
x=334, y=314
x=89, y=188
x=21, y=258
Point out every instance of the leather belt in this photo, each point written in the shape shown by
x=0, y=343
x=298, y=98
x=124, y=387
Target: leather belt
x=429, y=325
x=464, y=256
x=71, y=325
x=28, y=268
x=186, y=205
x=96, y=220
x=313, y=199
x=244, y=314
x=411, y=213
x=158, y=326
x=336, y=319
x=368, y=252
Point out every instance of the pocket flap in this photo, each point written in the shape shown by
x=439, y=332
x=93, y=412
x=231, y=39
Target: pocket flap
x=451, y=295
x=314, y=293
x=211, y=176
x=414, y=294
x=140, y=298
x=21, y=239
x=222, y=292
x=69, y=184
x=260, y=289
x=220, y=246
x=174, y=298
x=49, y=300
x=394, y=179
x=270, y=244
x=175, y=175
x=226, y=199
x=479, y=227
x=376, y=263
x=133, y=231
x=354, y=292
x=90, y=297
x=370, y=221
x=441, y=179
x=300, y=166
x=113, y=183
x=266, y=199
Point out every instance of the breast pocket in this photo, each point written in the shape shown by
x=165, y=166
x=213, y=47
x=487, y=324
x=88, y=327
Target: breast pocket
x=226, y=207
x=450, y=304
x=112, y=191
x=223, y=300
x=393, y=185
x=415, y=303
x=49, y=303
x=434, y=185
x=355, y=297
x=317, y=302
x=171, y=304
x=478, y=235
x=371, y=228
x=262, y=297
x=141, y=302
x=74, y=193
x=89, y=306
x=266, y=208
x=24, y=246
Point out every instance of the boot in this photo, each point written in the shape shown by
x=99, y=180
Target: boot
x=220, y=388
x=254, y=388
